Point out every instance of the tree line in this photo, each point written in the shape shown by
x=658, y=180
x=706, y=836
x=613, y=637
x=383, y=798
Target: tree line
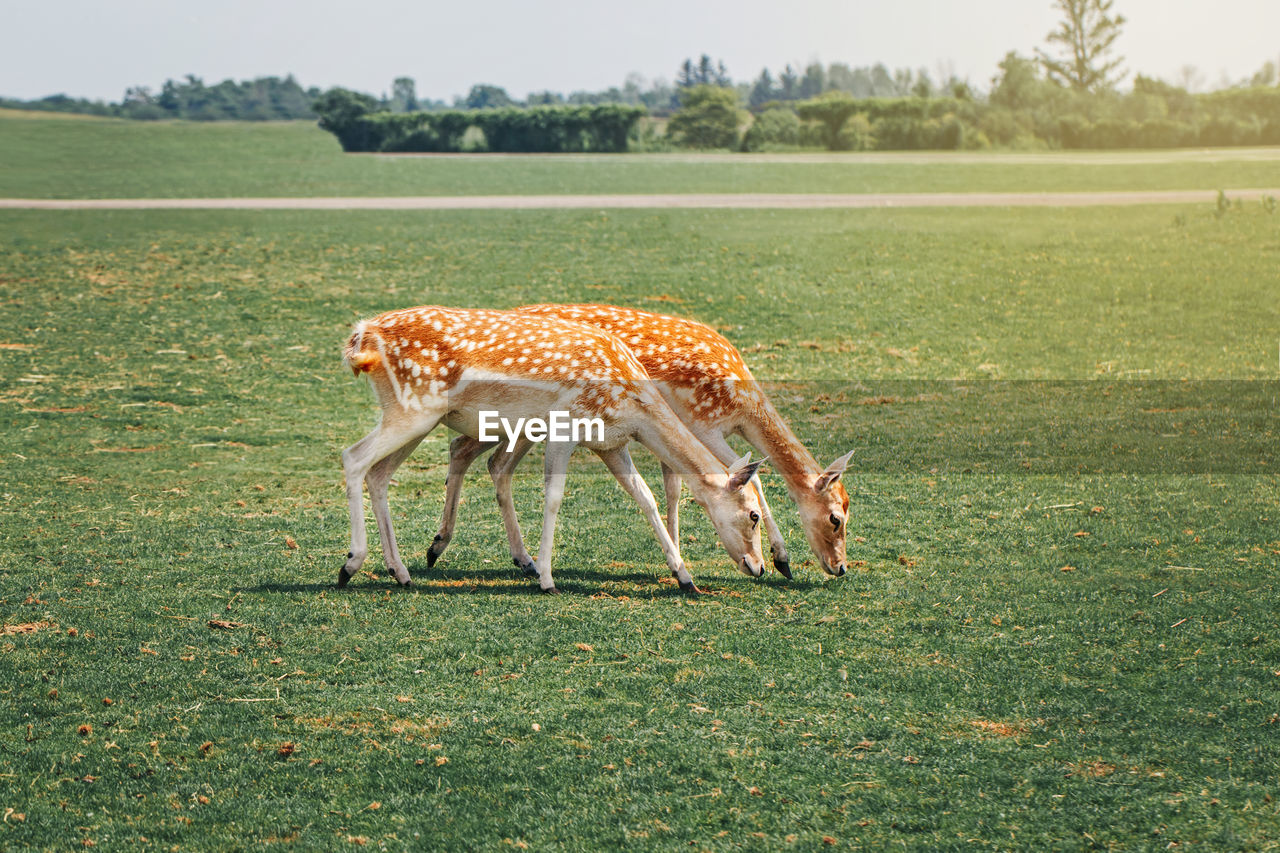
x=260, y=99
x=1066, y=96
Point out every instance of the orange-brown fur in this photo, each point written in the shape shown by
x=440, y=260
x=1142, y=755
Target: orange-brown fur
x=683, y=353
x=432, y=364
x=425, y=350
x=693, y=358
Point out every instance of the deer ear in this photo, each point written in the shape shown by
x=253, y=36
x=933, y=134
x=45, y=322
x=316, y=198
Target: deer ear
x=829, y=477
x=741, y=472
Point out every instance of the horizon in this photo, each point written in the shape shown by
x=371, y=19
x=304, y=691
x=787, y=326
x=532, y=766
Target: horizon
x=88, y=51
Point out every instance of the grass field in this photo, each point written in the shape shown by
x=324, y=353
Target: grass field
x=105, y=158
x=1018, y=659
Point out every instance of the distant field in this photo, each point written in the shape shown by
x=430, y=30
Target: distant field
x=1018, y=660
x=7, y=114
x=43, y=157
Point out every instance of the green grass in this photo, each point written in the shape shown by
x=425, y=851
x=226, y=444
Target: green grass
x=105, y=158
x=172, y=408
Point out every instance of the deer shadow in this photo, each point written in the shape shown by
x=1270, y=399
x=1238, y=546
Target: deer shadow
x=497, y=581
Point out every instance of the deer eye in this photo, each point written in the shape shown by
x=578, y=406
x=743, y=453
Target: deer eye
x=755, y=517
x=835, y=521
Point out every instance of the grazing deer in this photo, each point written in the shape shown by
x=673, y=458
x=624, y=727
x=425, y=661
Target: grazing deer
x=431, y=365
x=707, y=384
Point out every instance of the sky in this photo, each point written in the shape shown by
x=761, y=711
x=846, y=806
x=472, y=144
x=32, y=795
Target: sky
x=96, y=49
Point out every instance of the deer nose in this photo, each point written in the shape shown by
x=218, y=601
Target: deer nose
x=840, y=570
x=754, y=571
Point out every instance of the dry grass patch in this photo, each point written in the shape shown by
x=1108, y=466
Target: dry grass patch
x=995, y=728
x=1090, y=769
x=355, y=725
x=25, y=628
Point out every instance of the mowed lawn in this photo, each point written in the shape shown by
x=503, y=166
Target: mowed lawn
x=52, y=157
x=1018, y=659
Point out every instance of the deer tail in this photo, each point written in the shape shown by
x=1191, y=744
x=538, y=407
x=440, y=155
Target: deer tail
x=358, y=354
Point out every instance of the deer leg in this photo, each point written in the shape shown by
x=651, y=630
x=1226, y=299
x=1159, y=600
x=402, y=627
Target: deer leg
x=624, y=471
x=379, y=482
x=501, y=466
x=463, y=451
x=357, y=460
x=716, y=443
x=671, y=485
x=555, y=470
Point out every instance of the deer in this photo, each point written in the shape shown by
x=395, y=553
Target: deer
x=431, y=365
x=706, y=382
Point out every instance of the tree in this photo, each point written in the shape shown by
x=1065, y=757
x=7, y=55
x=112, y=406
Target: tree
x=763, y=90
x=632, y=87
x=832, y=109
x=902, y=82
x=404, y=96
x=1266, y=76
x=882, y=84
x=776, y=126
x=660, y=98
x=483, y=97
x=1018, y=85
x=923, y=87
x=687, y=76
x=341, y=111
x=704, y=73
x=140, y=103
x=789, y=84
x=1086, y=34
x=544, y=99
x=1179, y=103
x=708, y=118
x=814, y=81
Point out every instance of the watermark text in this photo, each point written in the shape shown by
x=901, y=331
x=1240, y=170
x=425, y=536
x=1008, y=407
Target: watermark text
x=558, y=427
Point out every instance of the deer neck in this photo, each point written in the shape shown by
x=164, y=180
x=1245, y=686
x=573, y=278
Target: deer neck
x=793, y=462
x=678, y=448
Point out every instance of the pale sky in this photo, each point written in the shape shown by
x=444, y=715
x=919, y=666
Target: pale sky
x=98, y=48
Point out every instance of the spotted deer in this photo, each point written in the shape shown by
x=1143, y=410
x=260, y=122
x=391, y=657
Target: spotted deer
x=707, y=384
x=433, y=365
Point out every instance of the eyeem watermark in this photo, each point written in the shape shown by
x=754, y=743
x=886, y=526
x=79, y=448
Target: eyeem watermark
x=560, y=427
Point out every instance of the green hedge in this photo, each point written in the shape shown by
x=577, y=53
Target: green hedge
x=537, y=129
x=1144, y=119
x=1075, y=131
x=1153, y=116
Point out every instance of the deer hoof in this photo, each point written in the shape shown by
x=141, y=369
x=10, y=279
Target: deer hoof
x=343, y=577
x=551, y=591
x=691, y=588
x=529, y=569
x=783, y=567
x=434, y=552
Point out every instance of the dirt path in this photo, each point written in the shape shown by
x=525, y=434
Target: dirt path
x=691, y=200
x=863, y=158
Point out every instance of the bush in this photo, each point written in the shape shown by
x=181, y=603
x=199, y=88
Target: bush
x=1000, y=125
x=1113, y=133
x=946, y=133
x=1154, y=115
x=830, y=110
x=342, y=113
x=1165, y=133
x=1227, y=131
x=902, y=123
x=773, y=128
x=1074, y=131
x=708, y=118
x=602, y=128
x=856, y=134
